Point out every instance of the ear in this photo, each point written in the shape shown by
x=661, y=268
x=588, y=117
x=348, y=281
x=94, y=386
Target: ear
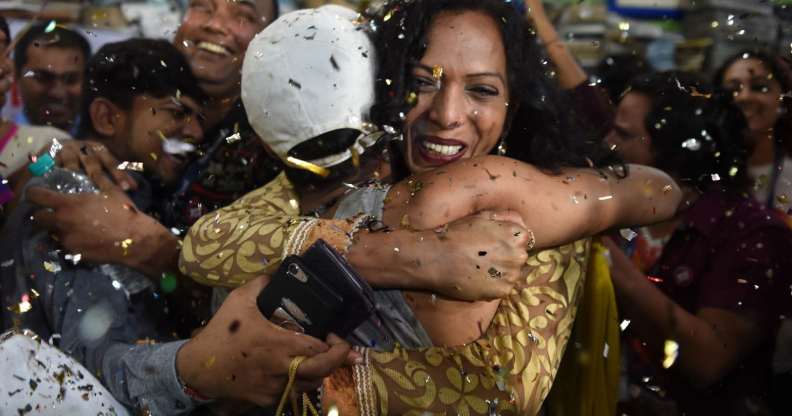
x=107, y=119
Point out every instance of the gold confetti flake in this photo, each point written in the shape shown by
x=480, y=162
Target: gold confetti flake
x=52, y=267
x=412, y=97
x=437, y=72
x=670, y=353
x=126, y=244
x=405, y=221
x=135, y=166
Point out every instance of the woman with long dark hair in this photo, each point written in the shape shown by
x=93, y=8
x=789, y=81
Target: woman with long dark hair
x=459, y=80
x=761, y=84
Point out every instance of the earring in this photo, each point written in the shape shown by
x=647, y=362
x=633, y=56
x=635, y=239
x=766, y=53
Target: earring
x=502, y=147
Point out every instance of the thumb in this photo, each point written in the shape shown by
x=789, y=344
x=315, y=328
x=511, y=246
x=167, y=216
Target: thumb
x=322, y=364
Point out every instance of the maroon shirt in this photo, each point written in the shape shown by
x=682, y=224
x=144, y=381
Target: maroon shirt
x=733, y=254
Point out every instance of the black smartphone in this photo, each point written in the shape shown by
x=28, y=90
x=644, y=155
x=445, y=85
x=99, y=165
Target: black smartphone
x=318, y=292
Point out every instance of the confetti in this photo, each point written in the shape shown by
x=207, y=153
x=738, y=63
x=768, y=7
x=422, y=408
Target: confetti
x=52, y=267
x=55, y=148
x=605, y=198
x=74, y=258
x=311, y=167
x=233, y=138
x=437, y=72
x=405, y=221
x=135, y=166
x=50, y=26
x=624, y=324
x=412, y=97
x=691, y=144
x=605, y=350
x=494, y=273
x=671, y=352
x=715, y=177
x=667, y=189
x=628, y=234
x=126, y=244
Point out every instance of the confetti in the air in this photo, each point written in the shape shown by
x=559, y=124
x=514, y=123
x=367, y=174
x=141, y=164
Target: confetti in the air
x=670, y=353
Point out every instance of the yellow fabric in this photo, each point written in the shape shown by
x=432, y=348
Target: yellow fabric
x=588, y=381
x=509, y=369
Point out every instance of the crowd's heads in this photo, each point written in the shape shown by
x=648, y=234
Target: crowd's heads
x=458, y=76
x=307, y=86
x=616, y=71
x=690, y=132
x=138, y=93
x=762, y=86
x=214, y=36
x=50, y=63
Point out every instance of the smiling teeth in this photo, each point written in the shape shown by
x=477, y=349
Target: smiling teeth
x=443, y=149
x=213, y=47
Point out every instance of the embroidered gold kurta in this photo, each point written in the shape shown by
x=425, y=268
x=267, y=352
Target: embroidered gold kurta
x=510, y=369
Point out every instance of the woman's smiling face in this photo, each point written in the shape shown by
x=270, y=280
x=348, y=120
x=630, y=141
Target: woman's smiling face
x=462, y=91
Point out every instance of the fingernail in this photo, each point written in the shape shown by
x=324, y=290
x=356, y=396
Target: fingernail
x=125, y=186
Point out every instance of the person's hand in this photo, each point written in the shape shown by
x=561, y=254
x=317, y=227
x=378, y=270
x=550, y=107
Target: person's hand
x=241, y=355
x=477, y=258
x=104, y=227
x=94, y=159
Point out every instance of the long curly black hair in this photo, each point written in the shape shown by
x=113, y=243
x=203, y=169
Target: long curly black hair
x=540, y=127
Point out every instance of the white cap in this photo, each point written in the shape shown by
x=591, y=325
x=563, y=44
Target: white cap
x=308, y=73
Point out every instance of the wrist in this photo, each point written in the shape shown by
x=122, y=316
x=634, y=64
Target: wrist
x=189, y=376
x=158, y=249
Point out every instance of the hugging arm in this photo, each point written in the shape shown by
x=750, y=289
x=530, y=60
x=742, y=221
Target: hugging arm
x=557, y=208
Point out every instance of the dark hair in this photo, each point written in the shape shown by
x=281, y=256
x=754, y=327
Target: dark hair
x=783, y=75
x=121, y=71
x=58, y=37
x=537, y=129
x=696, y=134
x=4, y=28
x=616, y=71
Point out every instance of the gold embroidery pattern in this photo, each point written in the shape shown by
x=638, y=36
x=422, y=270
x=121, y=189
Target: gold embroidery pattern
x=510, y=369
x=249, y=238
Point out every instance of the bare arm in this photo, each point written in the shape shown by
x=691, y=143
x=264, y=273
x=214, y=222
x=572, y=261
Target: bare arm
x=711, y=341
x=557, y=208
x=570, y=73
x=237, y=243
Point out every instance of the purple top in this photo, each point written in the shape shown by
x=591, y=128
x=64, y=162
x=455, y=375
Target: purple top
x=730, y=253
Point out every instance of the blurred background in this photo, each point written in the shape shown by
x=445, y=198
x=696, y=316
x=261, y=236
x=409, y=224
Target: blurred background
x=693, y=35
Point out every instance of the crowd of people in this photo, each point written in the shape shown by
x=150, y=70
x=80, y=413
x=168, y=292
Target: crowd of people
x=534, y=242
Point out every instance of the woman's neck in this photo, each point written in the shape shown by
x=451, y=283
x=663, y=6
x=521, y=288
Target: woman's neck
x=763, y=148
